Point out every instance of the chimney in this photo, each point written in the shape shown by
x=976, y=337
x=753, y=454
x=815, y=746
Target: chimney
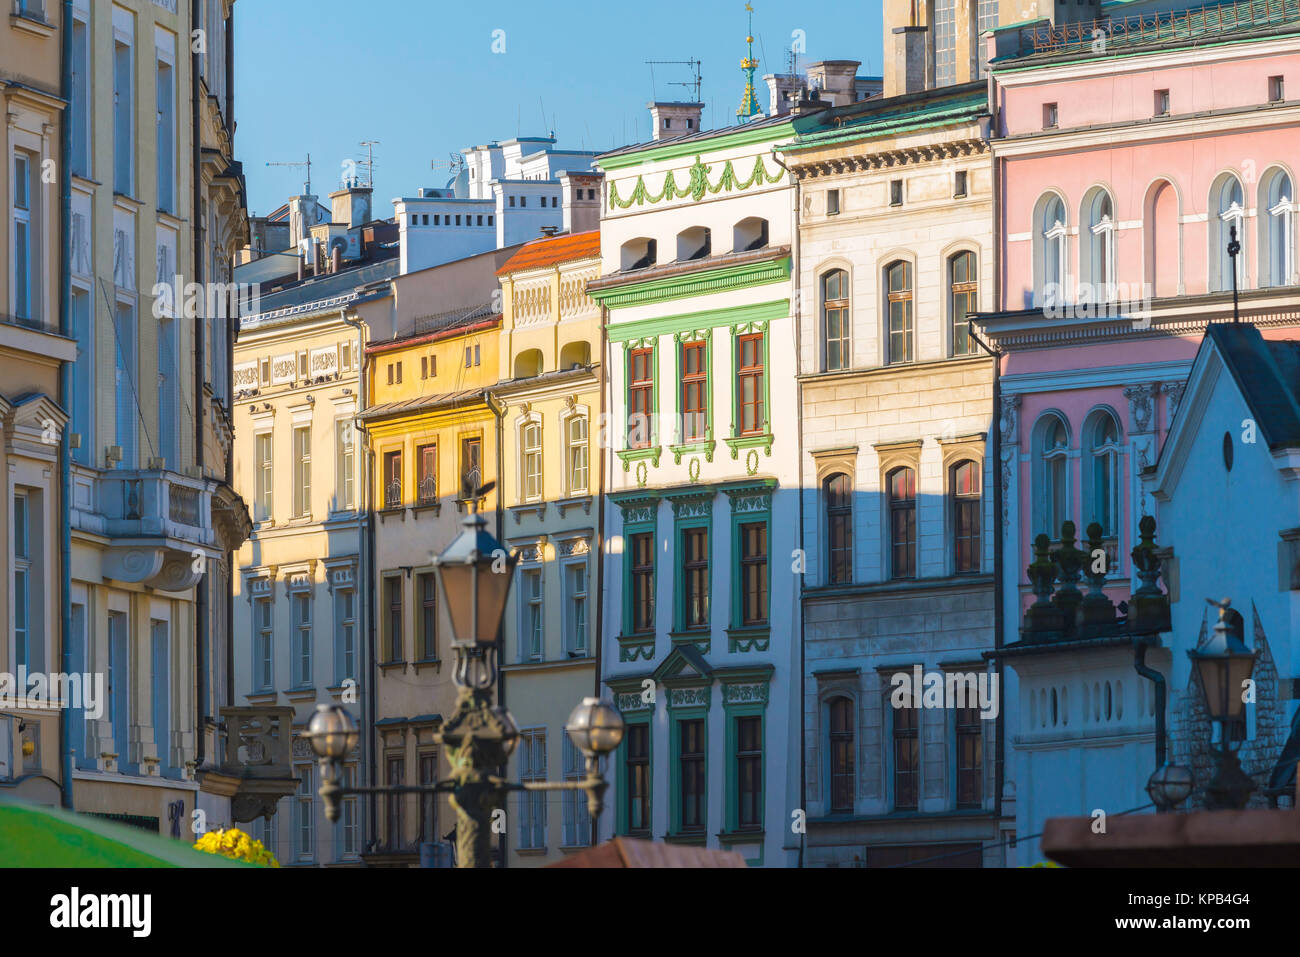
x=350, y=206
x=783, y=92
x=548, y=232
x=908, y=73
x=675, y=119
x=302, y=217
x=837, y=79
x=580, y=196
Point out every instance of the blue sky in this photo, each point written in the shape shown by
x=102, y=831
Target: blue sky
x=421, y=77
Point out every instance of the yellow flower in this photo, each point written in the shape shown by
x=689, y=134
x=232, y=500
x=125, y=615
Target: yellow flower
x=235, y=844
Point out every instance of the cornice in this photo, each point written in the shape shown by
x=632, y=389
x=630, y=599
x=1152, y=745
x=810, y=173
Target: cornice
x=858, y=160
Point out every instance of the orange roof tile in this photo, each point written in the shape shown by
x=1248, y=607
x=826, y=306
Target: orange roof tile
x=549, y=252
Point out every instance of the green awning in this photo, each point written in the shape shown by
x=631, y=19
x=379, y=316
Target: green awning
x=32, y=836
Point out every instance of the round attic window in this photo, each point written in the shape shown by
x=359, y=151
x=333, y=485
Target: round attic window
x=1227, y=451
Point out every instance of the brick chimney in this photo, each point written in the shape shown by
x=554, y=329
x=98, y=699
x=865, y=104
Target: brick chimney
x=675, y=119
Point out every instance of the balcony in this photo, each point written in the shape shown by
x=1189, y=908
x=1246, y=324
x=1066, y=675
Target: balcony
x=256, y=768
x=164, y=526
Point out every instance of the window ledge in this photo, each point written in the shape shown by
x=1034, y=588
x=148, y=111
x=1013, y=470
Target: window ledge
x=428, y=664
x=740, y=442
x=390, y=511
x=434, y=507
x=628, y=456
x=300, y=692
x=693, y=448
x=740, y=640
x=741, y=836
x=697, y=838
x=463, y=503
x=537, y=509
x=388, y=666
x=577, y=501
x=699, y=637
x=634, y=647
x=30, y=24
x=531, y=851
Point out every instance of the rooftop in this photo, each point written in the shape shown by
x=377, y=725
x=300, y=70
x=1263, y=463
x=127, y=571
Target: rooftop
x=897, y=114
x=551, y=251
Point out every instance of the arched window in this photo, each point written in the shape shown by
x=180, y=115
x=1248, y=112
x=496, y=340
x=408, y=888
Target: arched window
x=694, y=243
x=1102, y=492
x=898, y=282
x=964, y=492
x=638, y=253
x=839, y=528
x=963, y=299
x=749, y=234
x=1277, y=229
x=1050, y=237
x=1227, y=211
x=835, y=319
x=1053, y=440
x=901, y=483
x=839, y=713
x=1099, y=258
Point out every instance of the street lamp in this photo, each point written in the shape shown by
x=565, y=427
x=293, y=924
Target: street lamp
x=1224, y=665
x=474, y=577
x=1169, y=786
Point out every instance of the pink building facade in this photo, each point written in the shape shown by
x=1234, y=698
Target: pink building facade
x=1124, y=159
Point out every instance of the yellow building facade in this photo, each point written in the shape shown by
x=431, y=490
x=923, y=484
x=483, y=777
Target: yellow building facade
x=551, y=392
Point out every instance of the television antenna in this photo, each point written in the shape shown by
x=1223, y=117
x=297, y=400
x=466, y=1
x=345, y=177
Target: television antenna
x=369, y=162
x=306, y=164
x=693, y=64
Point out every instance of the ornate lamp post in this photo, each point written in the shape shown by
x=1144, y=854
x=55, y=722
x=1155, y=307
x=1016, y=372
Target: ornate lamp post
x=1224, y=665
x=474, y=577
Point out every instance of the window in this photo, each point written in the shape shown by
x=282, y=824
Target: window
x=269, y=832
x=898, y=280
x=637, y=794
x=640, y=398
x=398, y=372
x=428, y=591
x=907, y=764
x=396, y=773
x=901, y=483
x=575, y=587
x=694, y=808
x=127, y=410
x=264, y=657
x=428, y=764
x=749, y=384
x=573, y=804
x=533, y=626
x=970, y=758
x=302, y=640
x=302, y=471
x=835, y=319
x=963, y=299
x=1054, y=451
x=262, y=506
x=1099, y=260
x=1277, y=228
x=123, y=118
x=345, y=633
x=350, y=830
x=1161, y=106
x=959, y=184
x=532, y=804
x=1227, y=214
x=531, y=440
x=694, y=243
x=80, y=105
x=987, y=19
x=427, y=489
x=1103, y=477
x=753, y=573
x=642, y=551
x=392, y=479
x=346, y=355
x=26, y=243
x=393, y=602
x=945, y=42
x=22, y=603
x=347, y=469
x=832, y=202
x=303, y=818
x=695, y=391
x=749, y=772
x=751, y=233
x=964, y=485
x=842, y=754
x=166, y=92
x=1276, y=89
x=576, y=454
x=471, y=465
x=1052, y=250
x=839, y=528
x=895, y=192
x=1049, y=116
x=83, y=377
x=695, y=578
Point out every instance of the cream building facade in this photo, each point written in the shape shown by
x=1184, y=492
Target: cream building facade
x=32, y=353
x=551, y=383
